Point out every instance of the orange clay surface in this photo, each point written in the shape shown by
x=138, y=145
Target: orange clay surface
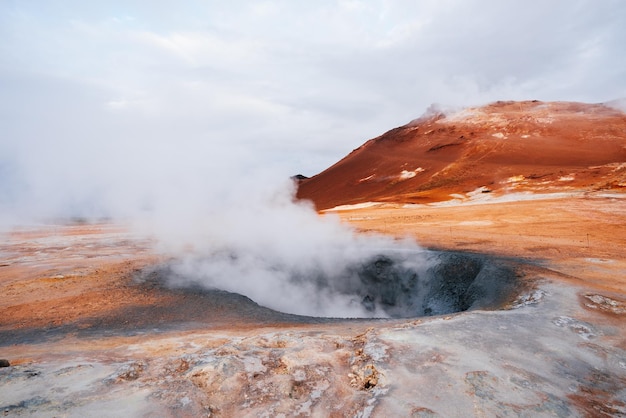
x=503, y=147
x=583, y=237
x=72, y=278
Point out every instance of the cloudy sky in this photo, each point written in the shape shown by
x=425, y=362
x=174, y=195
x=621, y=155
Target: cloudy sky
x=102, y=102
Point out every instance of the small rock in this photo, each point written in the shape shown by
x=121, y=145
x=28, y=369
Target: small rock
x=364, y=378
x=128, y=372
x=4, y=363
x=584, y=329
x=605, y=304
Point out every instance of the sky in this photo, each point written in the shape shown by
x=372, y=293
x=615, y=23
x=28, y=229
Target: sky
x=105, y=104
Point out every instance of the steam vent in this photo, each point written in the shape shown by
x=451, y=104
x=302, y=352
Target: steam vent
x=391, y=285
x=468, y=263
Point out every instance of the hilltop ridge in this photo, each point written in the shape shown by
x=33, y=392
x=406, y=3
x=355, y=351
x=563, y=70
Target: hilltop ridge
x=503, y=147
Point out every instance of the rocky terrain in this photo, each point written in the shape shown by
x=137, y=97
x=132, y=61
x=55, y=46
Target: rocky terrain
x=524, y=197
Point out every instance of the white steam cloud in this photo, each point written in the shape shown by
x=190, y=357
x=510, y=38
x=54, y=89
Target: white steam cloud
x=282, y=255
x=227, y=221
x=250, y=237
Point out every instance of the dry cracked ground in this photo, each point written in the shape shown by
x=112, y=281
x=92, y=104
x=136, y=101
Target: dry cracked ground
x=87, y=334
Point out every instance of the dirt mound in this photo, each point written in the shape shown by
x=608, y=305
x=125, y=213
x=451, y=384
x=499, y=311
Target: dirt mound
x=527, y=146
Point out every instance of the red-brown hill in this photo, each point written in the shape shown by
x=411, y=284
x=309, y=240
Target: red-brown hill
x=505, y=146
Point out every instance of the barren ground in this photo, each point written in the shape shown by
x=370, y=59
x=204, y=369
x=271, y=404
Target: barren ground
x=583, y=236
x=537, y=186
x=84, y=337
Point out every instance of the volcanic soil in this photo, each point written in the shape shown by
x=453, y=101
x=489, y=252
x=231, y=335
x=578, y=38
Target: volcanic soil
x=501, y=148
x=88, y=328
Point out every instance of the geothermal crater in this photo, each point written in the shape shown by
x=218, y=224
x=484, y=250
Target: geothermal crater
x=455, y=282
x=393, y=284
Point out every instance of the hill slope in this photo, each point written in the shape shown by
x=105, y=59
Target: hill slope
x=502, y=147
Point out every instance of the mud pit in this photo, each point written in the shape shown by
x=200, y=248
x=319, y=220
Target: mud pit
x=396, y=284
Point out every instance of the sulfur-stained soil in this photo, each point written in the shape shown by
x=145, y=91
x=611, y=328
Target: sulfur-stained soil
x=581, y=236
x=86, y=332
x=89, y=329
x=84, y=279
